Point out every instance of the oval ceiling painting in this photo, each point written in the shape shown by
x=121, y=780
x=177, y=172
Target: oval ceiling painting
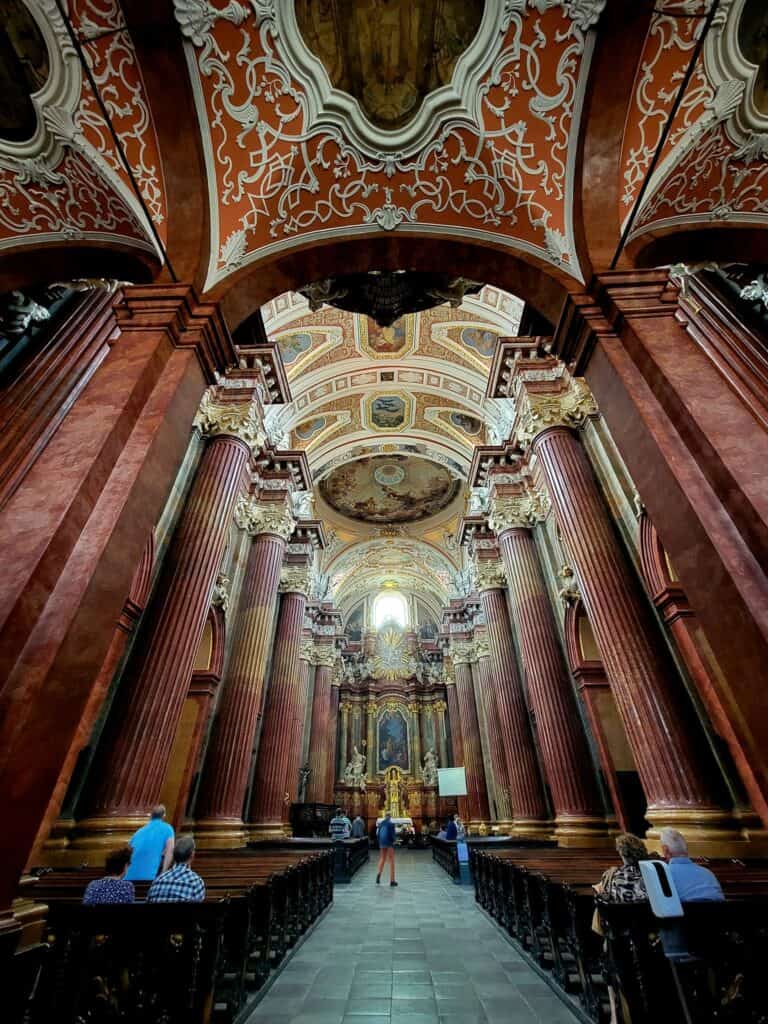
x=389, y=489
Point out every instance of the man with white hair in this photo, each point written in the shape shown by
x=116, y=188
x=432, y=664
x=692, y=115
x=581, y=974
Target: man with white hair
x=692, y=881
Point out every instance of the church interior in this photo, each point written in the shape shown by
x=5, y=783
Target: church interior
x=383, y=385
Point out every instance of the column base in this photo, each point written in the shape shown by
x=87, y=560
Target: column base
x=98, y=834
x=532, y=828
x=581, y=832
x=269, y=830
x=60, y=835
x=220, y=833
x=708, y=832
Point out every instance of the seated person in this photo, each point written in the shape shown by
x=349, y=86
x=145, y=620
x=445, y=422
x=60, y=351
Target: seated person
x=442, y=834
x=692, y=881
x=625, y=884
x=180, y=884
x=113, y=887
x=152, y=847
x=451, y=829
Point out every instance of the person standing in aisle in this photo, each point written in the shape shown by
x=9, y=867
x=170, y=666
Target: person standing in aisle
x=386, y=837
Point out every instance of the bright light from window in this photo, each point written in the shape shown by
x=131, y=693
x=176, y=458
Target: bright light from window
x=390, y=606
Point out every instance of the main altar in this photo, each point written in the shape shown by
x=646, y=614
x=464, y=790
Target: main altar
x=393, y=729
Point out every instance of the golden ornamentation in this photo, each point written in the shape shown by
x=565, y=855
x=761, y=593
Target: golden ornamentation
x=537, y=411
x=257, y=518
x=296, y=579
x=489, y=575
x=324, y=655
x=372, y=709
x=518, y=511
x=482, y=647
x=440, y=706
x=240, y=419
x=414, y=707
x=463, y=652
x=392, y=660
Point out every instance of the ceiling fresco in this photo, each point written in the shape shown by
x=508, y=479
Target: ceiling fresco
x=389, y=489
x=712, y=166
x=67, y=181
x=388, y=56
x=291, y=159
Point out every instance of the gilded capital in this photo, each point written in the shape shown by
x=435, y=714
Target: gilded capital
x=296, y=579
x=537, y=410
x=238, y=419
x=482, y=647
x=463, y=652
x=258, y=518
x=440, y=707
x=489, y=575
x=324, y=655
x=517, y=510
x=414, y=707
x=372, y=709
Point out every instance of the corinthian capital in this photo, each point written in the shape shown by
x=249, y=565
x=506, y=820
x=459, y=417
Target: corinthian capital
x=325, y=655
x=482, y=647
x=296, y=579
x=463, y=652
x=237, y=419
x=306, y=649
x=258, y=518
x=512, y=511
x=540, y=408
x=489, y=575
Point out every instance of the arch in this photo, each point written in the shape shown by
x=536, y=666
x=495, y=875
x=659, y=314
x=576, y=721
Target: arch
x=390, y=604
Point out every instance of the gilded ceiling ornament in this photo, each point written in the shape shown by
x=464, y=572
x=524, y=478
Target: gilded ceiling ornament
x=240, y=419
x=463, y=652
x=296, y=579
x=489, y=575
x=538, y=411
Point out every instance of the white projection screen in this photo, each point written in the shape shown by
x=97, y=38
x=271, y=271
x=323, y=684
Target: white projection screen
x=451, y=782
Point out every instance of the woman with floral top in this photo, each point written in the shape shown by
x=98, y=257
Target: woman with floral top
x=114, y=887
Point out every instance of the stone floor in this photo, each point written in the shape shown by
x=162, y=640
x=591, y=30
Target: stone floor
x=419, y=954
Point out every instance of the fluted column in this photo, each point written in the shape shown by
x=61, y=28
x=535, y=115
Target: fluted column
x=318, y=790
x=270, y=800
x=440, y=708
x=565, y=753
x=228, y=761
x=345, y=708
x=333, y=733
x=477, y=794
x=140, y=737
x=300, y=716
x=502, y=815
x=371, y=711
x=529, y=808
x=413, y=709
x=674, y=771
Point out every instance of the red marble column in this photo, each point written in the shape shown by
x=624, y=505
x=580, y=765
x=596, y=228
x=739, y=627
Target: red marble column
x=528, y=804
x=674, y=772
x=331, y=768
x=565, y=753
x=136, y=755
x=299, y=717
x=278, y=736
x=320, y=786
x=477, y=793
x=228, y=761
x=484, y=691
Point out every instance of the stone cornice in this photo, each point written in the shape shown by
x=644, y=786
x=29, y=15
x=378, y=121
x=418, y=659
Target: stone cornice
x=241, y=418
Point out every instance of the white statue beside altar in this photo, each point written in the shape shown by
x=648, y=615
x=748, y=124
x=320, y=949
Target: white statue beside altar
x=354, y=773
x=429, y=770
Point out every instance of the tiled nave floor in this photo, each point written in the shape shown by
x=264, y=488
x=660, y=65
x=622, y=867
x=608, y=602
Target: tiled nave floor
x=419, y=954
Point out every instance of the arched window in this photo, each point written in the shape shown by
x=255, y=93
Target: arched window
x=390, y=606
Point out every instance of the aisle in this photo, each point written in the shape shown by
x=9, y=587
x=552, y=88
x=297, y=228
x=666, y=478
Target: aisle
x=418, y=954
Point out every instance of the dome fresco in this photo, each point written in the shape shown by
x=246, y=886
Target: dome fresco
x=389, y=489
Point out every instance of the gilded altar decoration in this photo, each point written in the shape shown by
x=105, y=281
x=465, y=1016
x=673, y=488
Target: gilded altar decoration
x=392, y=660
x=395, y=793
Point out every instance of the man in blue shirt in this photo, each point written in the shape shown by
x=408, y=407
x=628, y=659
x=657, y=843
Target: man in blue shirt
x=152, y=848
x=692, y=881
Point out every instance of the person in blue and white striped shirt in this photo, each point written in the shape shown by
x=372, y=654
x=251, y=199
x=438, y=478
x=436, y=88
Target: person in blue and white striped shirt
x=340, y=826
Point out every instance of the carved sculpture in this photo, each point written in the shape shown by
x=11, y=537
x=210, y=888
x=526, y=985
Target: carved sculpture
x=429, y=770
x=354, y=773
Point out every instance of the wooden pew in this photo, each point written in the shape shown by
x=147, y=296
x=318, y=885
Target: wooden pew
x=445, y=853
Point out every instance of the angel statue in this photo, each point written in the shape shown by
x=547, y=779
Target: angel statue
x=354, y=773
x=429, y=771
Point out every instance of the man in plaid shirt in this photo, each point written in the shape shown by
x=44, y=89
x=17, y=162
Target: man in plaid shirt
x=180, y=884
